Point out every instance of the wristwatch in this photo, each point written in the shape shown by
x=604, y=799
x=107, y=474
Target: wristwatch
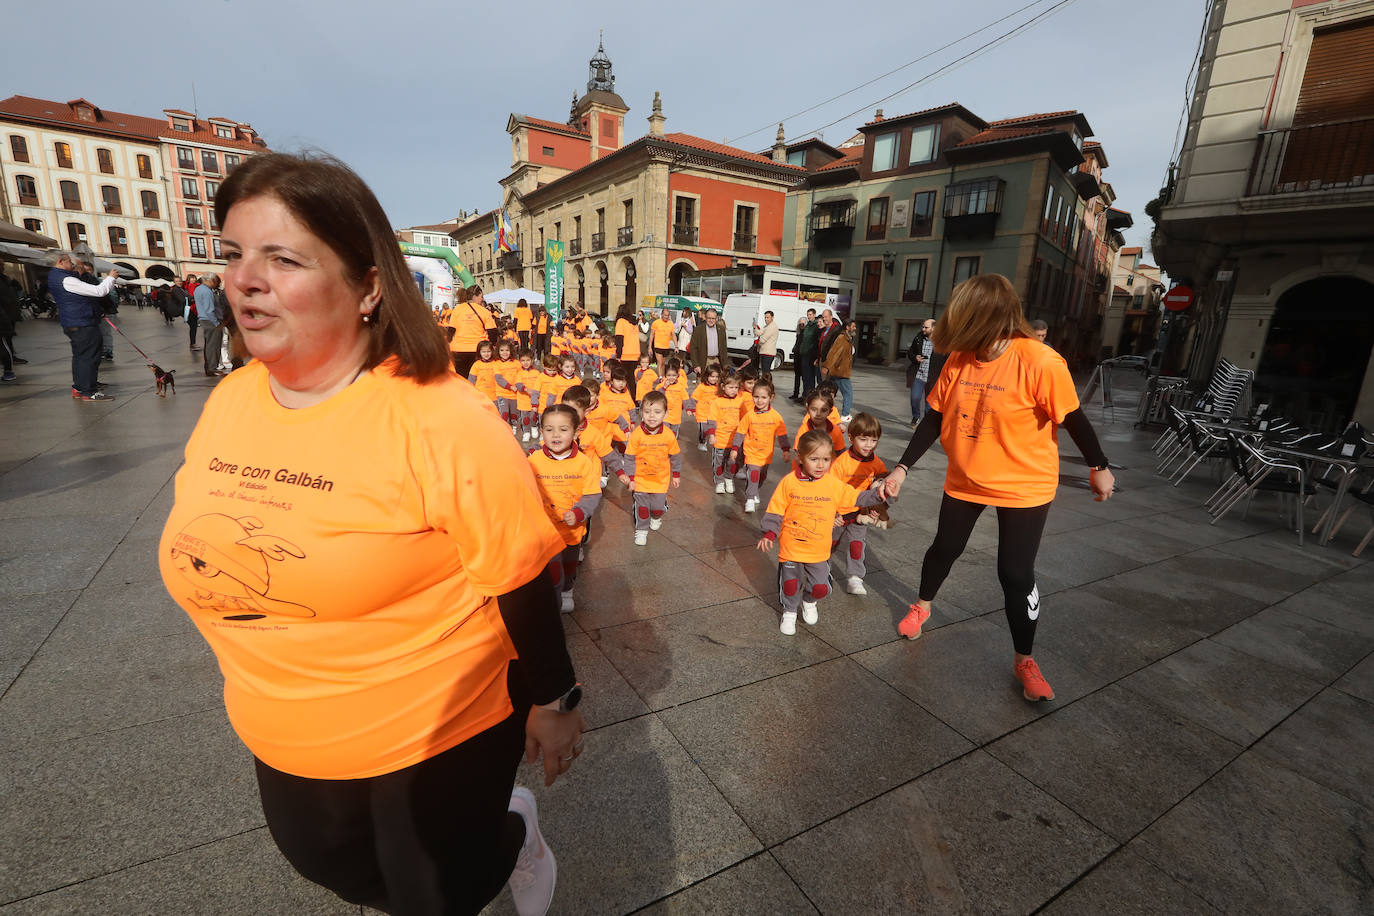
x=568, y=701
x=1102, y=467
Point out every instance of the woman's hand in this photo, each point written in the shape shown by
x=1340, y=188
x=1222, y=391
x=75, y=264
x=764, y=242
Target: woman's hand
x=1102, y=483
x=557, y=735
x=892, y=484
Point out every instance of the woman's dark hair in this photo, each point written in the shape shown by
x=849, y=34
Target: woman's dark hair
x=627, y=312
x=339, y=209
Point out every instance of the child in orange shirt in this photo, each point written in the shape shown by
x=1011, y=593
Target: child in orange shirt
x=527, y=381
x=597, y=440
x=760, y=431
x=674, y=388
x=553, y=387
x=607, y=354
x=832, y=391
x=615, y=394
x=804, y=510
x=721, y=423
x=504, y=377
x=859, y=467
x=483, y=371
x=653, y=462
x=645, y=378
x=819, y=405
x=702, y=396
x=568, y=487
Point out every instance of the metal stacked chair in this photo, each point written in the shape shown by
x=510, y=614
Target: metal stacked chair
x=1255, y=471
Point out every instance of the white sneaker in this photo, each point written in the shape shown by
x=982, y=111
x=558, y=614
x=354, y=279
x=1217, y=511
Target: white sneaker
x=749, y=505
x=701, y=446
x=855, y=586
x=720, y=486
x=809, y=615
x=846, y=419
x=526, y=436
x=568, y=602
x=536, y=872
x=604, y=479
x=655, y=524
x=641, y=538
x=729, y=485
x=788, y=627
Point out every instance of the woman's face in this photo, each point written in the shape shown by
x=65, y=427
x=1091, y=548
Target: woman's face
x=294, y=304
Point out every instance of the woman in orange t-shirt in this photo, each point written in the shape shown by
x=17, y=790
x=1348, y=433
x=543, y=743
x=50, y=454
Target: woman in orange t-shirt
x=995, y=409
x=341, y=537
x=627, y=335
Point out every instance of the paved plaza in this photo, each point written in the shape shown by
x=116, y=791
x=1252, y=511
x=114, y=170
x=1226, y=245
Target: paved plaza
x=1210, y=748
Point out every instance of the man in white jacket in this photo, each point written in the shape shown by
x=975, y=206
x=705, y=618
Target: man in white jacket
x=768, y=343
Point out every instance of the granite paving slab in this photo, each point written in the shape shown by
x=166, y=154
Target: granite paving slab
x=793, y=750
x=25, y=623
x=970, y=837
x=55, y=553
x=852, y=623
x=1330, y=741
x=754, y=887
x=1126, y=885
x=1359, y=680
x=1340, y=601
x=650, y=588
x=1105, y=632
x=608, y=697
x=1298, y=643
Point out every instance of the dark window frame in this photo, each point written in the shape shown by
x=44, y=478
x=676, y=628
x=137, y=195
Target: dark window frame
x=64, y=160
x=877, y=231
x=29, y=199
x=875, y=275
x=926, y=222
x=73, y=202
x=919, y=293
x=145, y=165
x=114, y=206
x=104, y=158
x=19, y=148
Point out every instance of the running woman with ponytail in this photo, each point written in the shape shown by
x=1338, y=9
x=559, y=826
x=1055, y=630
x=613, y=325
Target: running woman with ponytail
x=996, y=410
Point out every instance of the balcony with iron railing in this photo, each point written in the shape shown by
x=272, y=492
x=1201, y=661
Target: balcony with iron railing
x=684, y=235
x=1336, y=157
x=575, y=247
x=832, y=224
x=745, y=242
x=625, y=235
x=512, y=260
x=598, y=241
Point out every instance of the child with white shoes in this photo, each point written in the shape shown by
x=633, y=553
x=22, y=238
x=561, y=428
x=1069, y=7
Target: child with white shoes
x=722, y=419
x=804, y=510
x=761, y=430
x=569, y=481
x=652, y=463
x=859, y=467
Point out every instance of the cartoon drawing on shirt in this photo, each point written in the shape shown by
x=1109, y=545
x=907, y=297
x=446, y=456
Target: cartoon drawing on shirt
x=226, y=560
x=975, y=417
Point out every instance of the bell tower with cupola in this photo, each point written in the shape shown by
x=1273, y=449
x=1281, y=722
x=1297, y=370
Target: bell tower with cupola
x=601, y=113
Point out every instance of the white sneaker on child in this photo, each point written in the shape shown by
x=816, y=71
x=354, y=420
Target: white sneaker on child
x=749, y=505
x=729, y=485
x=641, y=538
x=536, y=872
x=701, y=446
x=855, y=586
x=526, y=436
x=604, y=478
x=720, y=486
x=789, y=623
x=809, y=615
x=568, y=602
x=655, y=524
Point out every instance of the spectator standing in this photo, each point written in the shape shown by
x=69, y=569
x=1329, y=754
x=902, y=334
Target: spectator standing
x=541, y=331
x=661, y=339
x=78, y=311
x=768, y=343
x=919, y=371
x=9, y=320
x=524, y=322
x=684, y=326
x=207, y=307
x=1039, y=330
x=805, y=376
x=192, y=313
x=839, y=364
x=708, y=343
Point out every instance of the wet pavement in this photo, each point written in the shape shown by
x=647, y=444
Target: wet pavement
x=1210, y=747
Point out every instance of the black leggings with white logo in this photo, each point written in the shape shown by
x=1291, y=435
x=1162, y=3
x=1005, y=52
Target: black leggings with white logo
x=1018, y=541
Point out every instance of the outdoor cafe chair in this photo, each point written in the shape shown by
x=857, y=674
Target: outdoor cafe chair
x=1255, y=471
x=1203, y=444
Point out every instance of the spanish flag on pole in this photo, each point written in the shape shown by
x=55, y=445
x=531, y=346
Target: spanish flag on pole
x=505, y=233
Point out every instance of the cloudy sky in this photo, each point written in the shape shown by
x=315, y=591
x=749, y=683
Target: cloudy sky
x=415, y=94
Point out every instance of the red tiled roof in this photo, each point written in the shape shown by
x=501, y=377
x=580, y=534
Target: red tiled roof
x=115, y=122
x=912, y=114
x=852, y=155
x=553, y=125
x=721, y=149
x=437, y=227
x=1122, y=290
x=178, y=111
x=202, y=133
x=996, y=134
x=1042, y=116
x=1131, y=250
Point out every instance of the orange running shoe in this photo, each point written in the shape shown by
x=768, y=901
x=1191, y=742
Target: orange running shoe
x=911, y=624
x=1033, y=683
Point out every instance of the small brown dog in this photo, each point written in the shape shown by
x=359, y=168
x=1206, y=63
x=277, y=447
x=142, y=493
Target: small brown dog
x=164, y=379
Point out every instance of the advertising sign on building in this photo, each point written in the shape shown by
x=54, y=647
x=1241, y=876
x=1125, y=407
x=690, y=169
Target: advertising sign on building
x=553, y=279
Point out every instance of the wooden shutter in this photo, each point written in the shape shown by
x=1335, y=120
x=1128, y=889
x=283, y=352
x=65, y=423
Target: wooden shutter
x=1339, y=80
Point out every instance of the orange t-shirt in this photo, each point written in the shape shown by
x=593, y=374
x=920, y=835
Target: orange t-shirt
x=509, y=370
x=604, y=416
x=835, y=419
x=676, y=394
x=831, y=427
x=761, y=432
x=483, y=377
x=597, y=439
x=607, y=351
x=661, y=333
x=529, y=381
x=542, y=325
x=704, y=395
x=653, y=454
x=999, y=424
x=629, y=351
x=524, y=319
x=645, y=381
x=470, y=323
x=859, y=473
x=619, y=401
x=558, y=344
x=808, y=509
x=562, y=482
x=725, y=414
x=342, y=561
x=552, y=387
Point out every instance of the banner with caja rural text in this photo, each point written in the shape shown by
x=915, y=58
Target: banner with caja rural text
x=553, y=279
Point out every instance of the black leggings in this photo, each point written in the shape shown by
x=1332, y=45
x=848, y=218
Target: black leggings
x=1018, y=541
x=433, y=838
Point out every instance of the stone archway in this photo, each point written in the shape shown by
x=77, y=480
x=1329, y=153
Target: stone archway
x=631, y=284
x=676, y=271
x=160, y=272
x=1317, y=351
x=603, y=299
x=581, y=287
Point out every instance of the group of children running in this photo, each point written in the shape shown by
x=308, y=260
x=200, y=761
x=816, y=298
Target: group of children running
x=587, y=422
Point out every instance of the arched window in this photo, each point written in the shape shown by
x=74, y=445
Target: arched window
x=76, y=233
x=109, y=195
x=119, y=242
x=71, y=195
x=19, y=147
x=64, y=154
x=145, y=166
x=105, y=159
x=155, y=248
x=28, y=190
x=149, y=201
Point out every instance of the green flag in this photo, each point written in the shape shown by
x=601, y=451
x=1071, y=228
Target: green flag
x=553, y=279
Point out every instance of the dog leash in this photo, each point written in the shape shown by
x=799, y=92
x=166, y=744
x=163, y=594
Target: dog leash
x=131, y=343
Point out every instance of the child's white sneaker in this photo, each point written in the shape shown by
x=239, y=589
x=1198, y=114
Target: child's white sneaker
x=855, y=586
x=526, y=436
x=788, y=627
x=641, y=538
x=749, y=505
x=720, y=486
x=536, y=872
x=604, y=479
x=729, y=485
x=655, y=524
x=809, y=615
x=701, y=446
x=568, y=602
